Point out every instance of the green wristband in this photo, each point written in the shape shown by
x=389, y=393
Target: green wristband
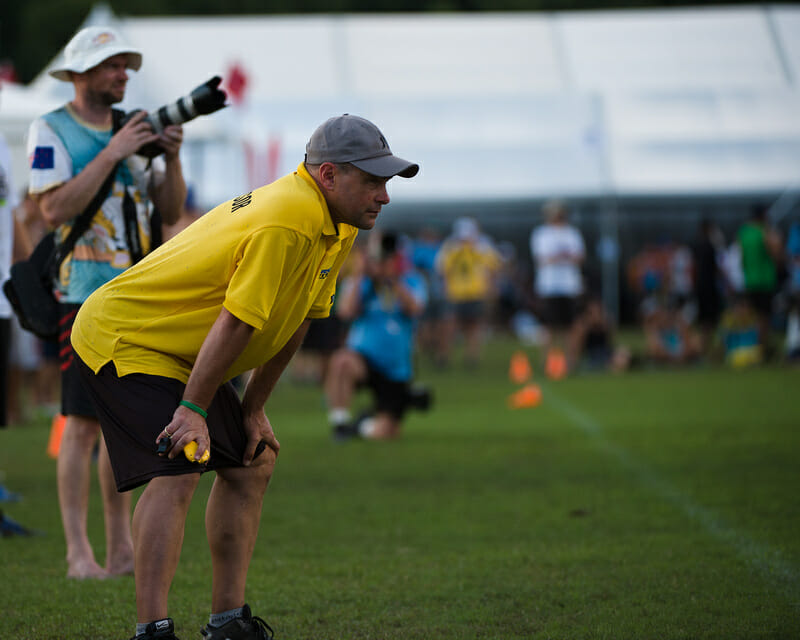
x=195, y=408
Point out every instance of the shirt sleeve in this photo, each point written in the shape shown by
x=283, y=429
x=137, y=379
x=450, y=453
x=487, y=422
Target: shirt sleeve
x=50, y=164
x=264, y=260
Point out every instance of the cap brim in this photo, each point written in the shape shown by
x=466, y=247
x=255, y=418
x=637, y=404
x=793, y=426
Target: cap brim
x=134, y=62
x=387, y=167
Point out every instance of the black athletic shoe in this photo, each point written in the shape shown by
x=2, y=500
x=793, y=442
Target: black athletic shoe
x=158, y=630
x=344, y=432
x=248, y=627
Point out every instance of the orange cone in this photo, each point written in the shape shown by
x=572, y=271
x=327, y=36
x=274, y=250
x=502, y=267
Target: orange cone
x=555, y=365
x=56, y=431
x=519, y=370
x=529, y=396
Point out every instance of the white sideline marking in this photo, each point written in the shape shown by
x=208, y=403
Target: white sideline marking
x=769, y=562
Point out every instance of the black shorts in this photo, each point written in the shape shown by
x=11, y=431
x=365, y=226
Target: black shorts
x=390, y=396
x=761, y=301
x=134, y=409
x=560, y=311
x=325, y=335
x=75, y=400
x=469, y=311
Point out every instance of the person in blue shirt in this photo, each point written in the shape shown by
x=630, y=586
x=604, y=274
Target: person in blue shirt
x=382, y=299
x=793, y=316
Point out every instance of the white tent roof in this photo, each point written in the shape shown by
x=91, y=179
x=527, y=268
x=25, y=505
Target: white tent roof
x=495, y=105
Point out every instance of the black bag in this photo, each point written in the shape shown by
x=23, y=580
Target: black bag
x=30, y=287
x=30, y=290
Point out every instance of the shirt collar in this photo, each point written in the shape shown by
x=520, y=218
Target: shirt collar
x=329, y=227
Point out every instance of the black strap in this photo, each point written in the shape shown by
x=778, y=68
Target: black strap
x=84, y=220
x=131, y=227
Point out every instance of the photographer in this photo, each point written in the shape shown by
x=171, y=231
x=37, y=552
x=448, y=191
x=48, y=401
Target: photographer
x=72, y=151
x=383, y=299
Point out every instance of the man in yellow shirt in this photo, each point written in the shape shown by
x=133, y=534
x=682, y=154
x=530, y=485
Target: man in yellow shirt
x=159, y=344
x=469, y=265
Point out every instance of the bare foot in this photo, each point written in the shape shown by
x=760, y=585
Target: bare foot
x=121, y=568
x=86, y=570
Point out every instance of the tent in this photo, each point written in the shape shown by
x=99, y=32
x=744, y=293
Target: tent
x=493, y=106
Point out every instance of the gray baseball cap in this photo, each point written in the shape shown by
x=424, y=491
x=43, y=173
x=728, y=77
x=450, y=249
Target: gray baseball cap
x=354, y=140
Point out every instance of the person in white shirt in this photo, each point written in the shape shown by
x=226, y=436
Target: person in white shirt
x=558, y=253
x=8, y=202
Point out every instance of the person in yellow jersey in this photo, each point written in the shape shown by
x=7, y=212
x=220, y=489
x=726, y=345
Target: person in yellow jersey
x=468, y=264
x=159, y=345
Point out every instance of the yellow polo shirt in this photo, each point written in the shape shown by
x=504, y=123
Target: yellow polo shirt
x=468, y=270
x=270, y=257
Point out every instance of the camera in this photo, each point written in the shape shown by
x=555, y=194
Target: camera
x=205, y=99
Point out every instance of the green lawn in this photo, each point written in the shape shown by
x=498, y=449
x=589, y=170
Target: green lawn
x=654, y=504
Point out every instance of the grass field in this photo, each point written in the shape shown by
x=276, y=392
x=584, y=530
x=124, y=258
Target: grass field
x=655, y=504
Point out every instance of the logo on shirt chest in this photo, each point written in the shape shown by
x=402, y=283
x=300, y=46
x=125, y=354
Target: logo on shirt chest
x=324, y=274
x=241, y=201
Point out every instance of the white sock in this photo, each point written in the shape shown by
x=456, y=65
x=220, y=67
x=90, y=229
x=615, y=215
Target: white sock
x=367, y=428
x=339, y=415
x=219, y=619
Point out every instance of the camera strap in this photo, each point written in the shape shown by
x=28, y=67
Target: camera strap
x=129, y=215
x=84, y=220
x=131, y=227
x=81, y=224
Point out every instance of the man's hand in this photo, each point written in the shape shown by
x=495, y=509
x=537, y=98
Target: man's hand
x=186, y=426
x=257, y=427
x=170, y=140
x=130, y=138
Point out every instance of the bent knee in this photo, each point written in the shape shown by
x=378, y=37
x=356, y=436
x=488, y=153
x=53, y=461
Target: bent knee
x=346, y=362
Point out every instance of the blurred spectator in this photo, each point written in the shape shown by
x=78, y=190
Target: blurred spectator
x=592, y=342
x=558, y=253
x=680, y=278
x=739, y=330
x=468, y=264
x=382, y=300
x=669, y=338
x=8, y=202
x=731, y=265
x=646, y=272
x=761, y=251
x=325, y=335
x=793, y=287
x=35, y=369
x=24, y=359
x=424, y=249
x=708, y=281
x=513, y=288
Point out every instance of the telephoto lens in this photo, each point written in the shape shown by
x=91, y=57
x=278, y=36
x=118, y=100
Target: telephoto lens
x=205, y=99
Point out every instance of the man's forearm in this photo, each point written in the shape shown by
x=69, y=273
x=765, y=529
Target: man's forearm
x=224, y=343
x=170, y=194
x=63, y=203
x=265, y=377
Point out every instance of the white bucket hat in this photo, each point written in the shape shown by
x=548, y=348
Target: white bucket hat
x=91, y=46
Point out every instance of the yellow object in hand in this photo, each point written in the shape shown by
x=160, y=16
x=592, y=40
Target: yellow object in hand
x=190, y=449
